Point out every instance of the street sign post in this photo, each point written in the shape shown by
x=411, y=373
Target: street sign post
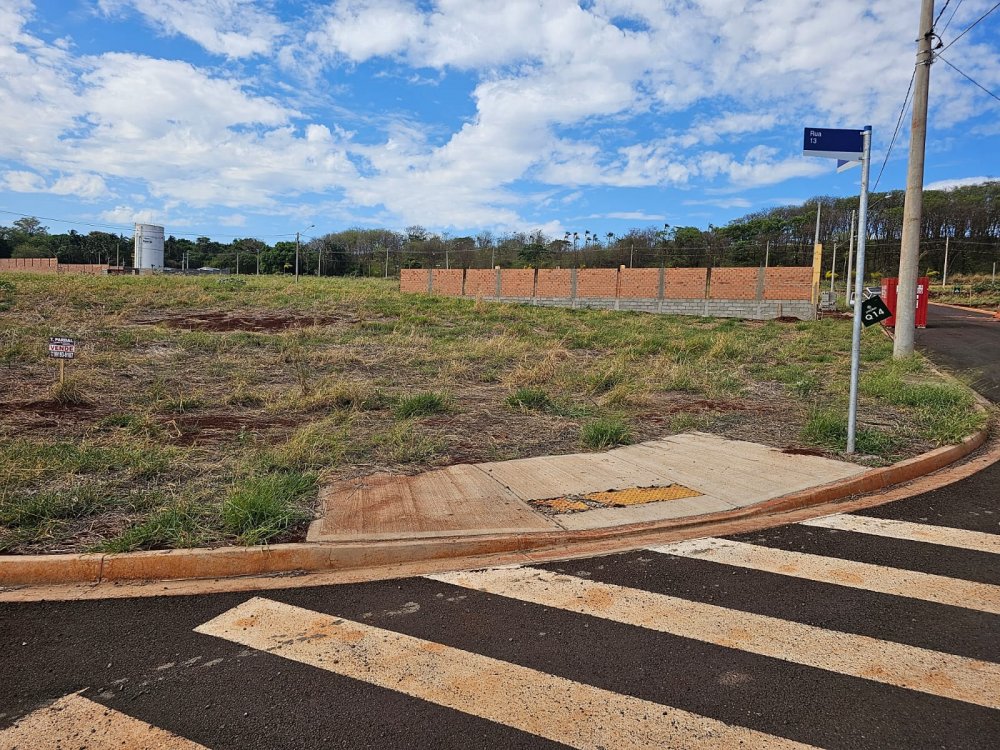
x=848, y=146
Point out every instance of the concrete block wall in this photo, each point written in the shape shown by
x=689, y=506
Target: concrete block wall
x=753, y=293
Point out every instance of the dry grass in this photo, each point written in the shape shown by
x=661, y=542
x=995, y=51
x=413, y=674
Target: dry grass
x=176, y=434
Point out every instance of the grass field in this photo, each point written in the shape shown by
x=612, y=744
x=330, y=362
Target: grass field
x=207, y=411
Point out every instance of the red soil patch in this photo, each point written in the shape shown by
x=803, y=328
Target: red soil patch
x=43, y=408
x=200, y=428
x=803, y=451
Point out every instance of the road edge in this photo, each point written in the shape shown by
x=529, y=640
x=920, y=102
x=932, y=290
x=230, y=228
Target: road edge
x=313, y=557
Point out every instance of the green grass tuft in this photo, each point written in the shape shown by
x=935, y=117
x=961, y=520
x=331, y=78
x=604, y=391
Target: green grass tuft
x=260, y=508
x=529, y=399
x=421, y=404
x=605, y=432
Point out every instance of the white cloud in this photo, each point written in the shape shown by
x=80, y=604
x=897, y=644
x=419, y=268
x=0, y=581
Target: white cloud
x=84, y=186
x=234, y=28
x=694, y=85
x=958, y=182
x=630, y=216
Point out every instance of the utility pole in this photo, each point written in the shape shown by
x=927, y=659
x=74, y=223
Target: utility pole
x=850, y=259
x=297, y=249
x=944, y=276
x=909, y=250
x=833, y=266
x=767, y=253
x=387, y=261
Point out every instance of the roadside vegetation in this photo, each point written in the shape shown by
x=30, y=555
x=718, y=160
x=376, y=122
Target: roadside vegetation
x=202, y=411
x=970, y=291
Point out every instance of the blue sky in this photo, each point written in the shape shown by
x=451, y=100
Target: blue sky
x=233, y=118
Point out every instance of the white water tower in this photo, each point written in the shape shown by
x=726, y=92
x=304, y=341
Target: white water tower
x=148, y=247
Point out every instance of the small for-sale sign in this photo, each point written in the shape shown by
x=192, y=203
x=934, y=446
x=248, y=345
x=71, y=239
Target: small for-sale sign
x=62, y=348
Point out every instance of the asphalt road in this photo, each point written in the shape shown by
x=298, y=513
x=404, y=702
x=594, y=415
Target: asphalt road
x=967, y=343
x=868, y=641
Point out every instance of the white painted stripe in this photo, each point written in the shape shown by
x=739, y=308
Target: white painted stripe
x=555, y=708
x=913, y=532
x=955, y=592
x=74, y=721
x=947, y=675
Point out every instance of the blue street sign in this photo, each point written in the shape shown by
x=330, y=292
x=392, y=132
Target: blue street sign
x=833, y=144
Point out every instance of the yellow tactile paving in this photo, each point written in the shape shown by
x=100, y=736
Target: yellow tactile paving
x=641, y=495
x=555, y=708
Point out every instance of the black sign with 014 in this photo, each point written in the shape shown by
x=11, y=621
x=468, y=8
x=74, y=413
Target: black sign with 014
x=874, y=310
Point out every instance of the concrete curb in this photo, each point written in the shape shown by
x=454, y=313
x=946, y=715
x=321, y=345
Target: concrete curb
x=228, y=562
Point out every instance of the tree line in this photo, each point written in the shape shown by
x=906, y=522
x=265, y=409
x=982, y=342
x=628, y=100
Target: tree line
x=968, y=218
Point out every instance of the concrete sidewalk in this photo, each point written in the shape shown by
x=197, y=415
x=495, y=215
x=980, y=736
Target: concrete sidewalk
x=706, y=473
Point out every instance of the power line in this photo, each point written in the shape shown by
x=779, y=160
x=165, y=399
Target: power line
x=970, y=27
x=941, y=13
x=952, y=16
x=968, y=78
x=899, y=120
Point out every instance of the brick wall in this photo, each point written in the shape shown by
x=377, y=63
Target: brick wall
x=733, y=283
x=29, y=265
x=639, y=283
x=554, y=282
x=413, y=280
x=684, y=283
x=788, y=283
x=597, y=282
x=517, y=282
x=732, y=292
x=480, y=282
x=89, y=269
x=447, y=281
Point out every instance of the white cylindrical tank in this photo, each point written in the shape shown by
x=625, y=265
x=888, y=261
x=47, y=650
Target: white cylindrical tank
x=148, y=246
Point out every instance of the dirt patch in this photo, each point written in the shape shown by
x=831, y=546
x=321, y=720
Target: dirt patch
x=209, y=428
x=256, y=322
x=43, y=408
x=803, y=451
x=667, y=409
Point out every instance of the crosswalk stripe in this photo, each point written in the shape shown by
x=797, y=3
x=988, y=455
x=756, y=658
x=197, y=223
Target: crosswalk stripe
x=933, y=672
x=555, y=708
x=75, y=721
x=913, y=532
x=955, y=592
